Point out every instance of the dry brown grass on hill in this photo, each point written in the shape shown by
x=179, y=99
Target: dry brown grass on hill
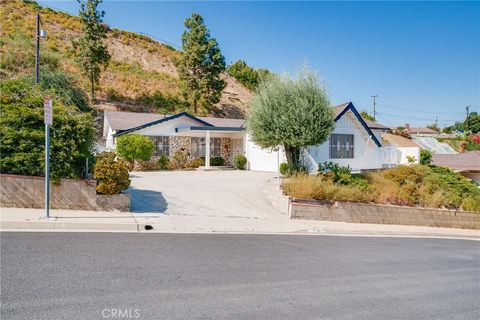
x=140, y=66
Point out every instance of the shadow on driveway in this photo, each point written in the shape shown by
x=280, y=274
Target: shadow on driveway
x=143, y=201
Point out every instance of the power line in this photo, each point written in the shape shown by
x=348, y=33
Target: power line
x=409, y=117
x=418, y=111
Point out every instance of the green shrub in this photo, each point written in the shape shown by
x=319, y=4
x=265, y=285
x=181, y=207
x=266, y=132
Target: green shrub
x=288, y=170
x=163, y=162
x=217, y=161
x=111, y=175
x=149, y=165
x=342, y=174
x=65, y=88
x=283, y=168
x=240, y=161
x=415, y=185
x=131, y=147
x=22, y=129
x=425, y=157
x=195, y=163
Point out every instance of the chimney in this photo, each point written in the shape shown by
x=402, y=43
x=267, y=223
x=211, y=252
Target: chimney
x=407, y=126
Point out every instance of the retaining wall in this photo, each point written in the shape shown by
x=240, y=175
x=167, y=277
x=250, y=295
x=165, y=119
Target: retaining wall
x=382, y=214
x=29, y=192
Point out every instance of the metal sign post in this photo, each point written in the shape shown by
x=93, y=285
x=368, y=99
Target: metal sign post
x=48, y=120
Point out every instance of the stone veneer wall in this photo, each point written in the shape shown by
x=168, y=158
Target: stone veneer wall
x=29, y=192
x=226, y=150
x=180, y=143
x=184, y=143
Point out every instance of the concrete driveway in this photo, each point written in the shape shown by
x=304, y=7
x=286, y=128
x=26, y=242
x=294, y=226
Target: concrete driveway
x=226, y=194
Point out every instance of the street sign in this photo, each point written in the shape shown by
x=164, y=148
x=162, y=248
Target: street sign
x=47, y=107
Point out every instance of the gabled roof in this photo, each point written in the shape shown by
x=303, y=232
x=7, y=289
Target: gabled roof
x=126, y=120
x=421, y=130
x=371, y=124
x=340, y=110
x=164, y=119
x=399, y=141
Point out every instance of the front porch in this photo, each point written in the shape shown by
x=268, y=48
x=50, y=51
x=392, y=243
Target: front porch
x=202, y=142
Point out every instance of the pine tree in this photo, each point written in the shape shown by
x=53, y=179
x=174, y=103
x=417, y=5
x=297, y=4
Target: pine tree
x=91, y=51
x=201, y=65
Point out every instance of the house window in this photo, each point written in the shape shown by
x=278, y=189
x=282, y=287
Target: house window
x=198, y=147
x=162, y=146
x=341, y=146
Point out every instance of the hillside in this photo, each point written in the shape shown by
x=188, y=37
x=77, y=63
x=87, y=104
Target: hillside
x=140, y=77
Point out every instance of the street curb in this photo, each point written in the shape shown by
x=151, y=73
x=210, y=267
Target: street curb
x=140, y=228
x=68, y=226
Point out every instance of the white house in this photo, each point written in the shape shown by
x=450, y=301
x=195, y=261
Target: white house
x=404, y=149
x=354, y=141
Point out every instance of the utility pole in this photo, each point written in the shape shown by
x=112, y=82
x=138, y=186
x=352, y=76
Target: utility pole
x=436, y=121
x=39, y=34
x=374, y=111
x=37, y=51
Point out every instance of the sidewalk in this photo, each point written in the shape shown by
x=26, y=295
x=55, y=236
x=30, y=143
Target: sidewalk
x=17, y=219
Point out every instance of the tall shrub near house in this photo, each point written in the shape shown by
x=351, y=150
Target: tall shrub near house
x=22, y=129
x=134, y=147
x=294, y=113
x=111, y=174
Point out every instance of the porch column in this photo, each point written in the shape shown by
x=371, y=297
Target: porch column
x=207, y=149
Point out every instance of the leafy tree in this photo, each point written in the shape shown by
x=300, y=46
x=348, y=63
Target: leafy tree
x=91, y=50
x=65, y=88
x=201, y=65
x=133, y=147
x=367, y=116
x=434, y=126
x=472, y=123
x=294, y=113
x=245, y=74
x=111, y=174
x=22, y=130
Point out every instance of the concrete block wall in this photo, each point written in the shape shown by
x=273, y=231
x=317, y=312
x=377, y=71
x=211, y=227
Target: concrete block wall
x=382, y=214
x=29, y=192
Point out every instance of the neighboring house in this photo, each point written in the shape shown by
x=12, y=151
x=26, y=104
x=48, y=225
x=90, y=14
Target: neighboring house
x=404, y=148
x=420, y=130
x=354, y=141
x=467, y=164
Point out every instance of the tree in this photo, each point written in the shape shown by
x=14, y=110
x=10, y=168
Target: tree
x=91, y=50
x=133, y=147
x=472, y=123
x=246, y=75
x=22, y=132
x=367, y=116
x=294, y=113
x=201, y=65
x=425, y=157
x=434, y=126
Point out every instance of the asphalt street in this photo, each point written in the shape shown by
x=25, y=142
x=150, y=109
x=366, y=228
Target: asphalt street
x=194, y=276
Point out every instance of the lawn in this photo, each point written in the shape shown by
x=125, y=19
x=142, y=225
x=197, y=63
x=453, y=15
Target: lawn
x=416, y=185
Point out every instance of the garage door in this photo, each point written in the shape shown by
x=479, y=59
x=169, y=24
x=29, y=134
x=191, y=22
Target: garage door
x=263, y=159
